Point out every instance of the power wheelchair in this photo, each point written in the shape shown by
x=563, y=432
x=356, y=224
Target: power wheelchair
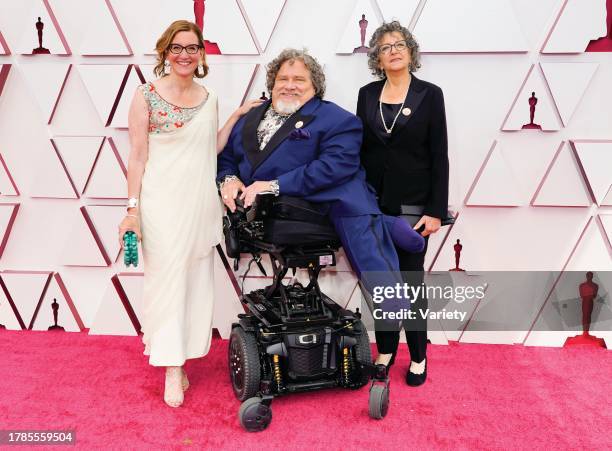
x=292, y=337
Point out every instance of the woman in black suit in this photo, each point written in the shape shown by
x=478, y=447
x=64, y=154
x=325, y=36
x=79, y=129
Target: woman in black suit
x=405, y=155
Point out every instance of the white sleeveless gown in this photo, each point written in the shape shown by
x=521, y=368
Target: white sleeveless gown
x=181, y=215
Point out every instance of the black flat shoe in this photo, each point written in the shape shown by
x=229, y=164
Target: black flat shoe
x=414, y=380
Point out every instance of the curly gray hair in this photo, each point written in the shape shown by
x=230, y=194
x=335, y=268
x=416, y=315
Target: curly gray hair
x=317, y=76
x=390, y=27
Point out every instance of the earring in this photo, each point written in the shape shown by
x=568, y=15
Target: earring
x=200, y=69
x=167, y=67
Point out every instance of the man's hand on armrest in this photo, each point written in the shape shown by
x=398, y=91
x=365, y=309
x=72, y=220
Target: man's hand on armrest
x=250, y=192
x=229, y=189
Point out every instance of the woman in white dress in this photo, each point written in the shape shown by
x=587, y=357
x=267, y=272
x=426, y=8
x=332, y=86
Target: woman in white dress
x=173, y=204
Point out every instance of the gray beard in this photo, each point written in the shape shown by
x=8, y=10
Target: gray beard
x=287, y=108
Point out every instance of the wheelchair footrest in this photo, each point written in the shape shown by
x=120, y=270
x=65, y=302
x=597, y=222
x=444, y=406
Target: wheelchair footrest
x=313, y=385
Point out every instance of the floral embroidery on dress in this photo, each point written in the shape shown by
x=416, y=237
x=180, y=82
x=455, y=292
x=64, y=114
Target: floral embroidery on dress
x=165, y=117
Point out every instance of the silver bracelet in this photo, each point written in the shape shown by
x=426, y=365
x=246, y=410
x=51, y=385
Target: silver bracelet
x=274, y=187
x=132, y=216
x=227, y=178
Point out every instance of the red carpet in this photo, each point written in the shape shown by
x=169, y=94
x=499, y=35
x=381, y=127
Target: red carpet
x=476, y=397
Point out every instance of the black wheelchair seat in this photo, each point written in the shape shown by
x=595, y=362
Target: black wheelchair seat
x=279, y=224
x=299, y=233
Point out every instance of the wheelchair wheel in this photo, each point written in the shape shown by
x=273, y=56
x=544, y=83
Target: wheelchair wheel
x=379, y=401
x=254, y=415
x=244, y=365
x=362, y=353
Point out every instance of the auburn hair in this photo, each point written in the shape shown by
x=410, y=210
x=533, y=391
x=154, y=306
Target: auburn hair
x=163, y=43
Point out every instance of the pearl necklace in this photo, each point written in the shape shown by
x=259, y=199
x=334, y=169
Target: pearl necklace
x=382, y=117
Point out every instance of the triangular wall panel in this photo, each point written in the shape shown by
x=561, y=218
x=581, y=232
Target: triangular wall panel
x=107, y=180
x=104, y=36
x=606, y=223
x=120, y=142
x=53, y=38
x=607, y=202
x=45, y=82
x=536, y=18
x=26, y=289
x=263, y=20
x=545, y=116
x=112, y=317
x=106, y=219
x=469, y=26
x=132, y=285
x=52, y=180
x=596, y=160
x=495, y=184
x=83, y=246
x=8, y=213
x=580, y=22
x=9, y=319
x=4, y=48
x=351, y=35
x=8, y=187
x=103, y=83
x=120, y=116
x=403, y=11
x=78, y=154
x=4, y=71
x=239, y=76
x=562, y=185
x=568, y=82
x=592, y=252
x=604, y=43
x=67, y=315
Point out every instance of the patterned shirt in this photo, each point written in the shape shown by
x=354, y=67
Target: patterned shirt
x=165, y=117
x=269, y=125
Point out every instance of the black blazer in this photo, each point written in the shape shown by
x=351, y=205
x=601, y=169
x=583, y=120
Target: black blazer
x=412, y=169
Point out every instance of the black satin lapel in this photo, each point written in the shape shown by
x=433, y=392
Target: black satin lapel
x=249, y=132
x=373, y=108
x=413, y=100
x=281, y=134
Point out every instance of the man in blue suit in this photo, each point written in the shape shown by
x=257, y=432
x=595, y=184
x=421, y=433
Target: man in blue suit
x=299, y=145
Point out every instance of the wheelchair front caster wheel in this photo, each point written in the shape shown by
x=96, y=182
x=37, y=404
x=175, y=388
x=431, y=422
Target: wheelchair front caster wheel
x=254, y=415
x=379, y=401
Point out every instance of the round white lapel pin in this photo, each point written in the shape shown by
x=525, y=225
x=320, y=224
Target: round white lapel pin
x=299, y=124
x=406, y=111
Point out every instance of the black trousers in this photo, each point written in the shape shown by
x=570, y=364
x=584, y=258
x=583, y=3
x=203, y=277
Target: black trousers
x=416, y=329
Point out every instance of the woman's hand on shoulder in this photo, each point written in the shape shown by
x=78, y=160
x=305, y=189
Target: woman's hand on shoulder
x=248, y=106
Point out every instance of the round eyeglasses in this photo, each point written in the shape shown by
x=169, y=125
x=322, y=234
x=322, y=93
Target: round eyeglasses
x=400, y=46
x=177, y=48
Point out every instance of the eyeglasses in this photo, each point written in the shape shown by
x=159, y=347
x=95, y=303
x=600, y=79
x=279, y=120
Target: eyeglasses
x=177, y=49
x=400, y=46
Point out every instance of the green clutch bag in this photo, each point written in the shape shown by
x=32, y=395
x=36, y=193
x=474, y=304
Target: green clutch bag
x=130, y=249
